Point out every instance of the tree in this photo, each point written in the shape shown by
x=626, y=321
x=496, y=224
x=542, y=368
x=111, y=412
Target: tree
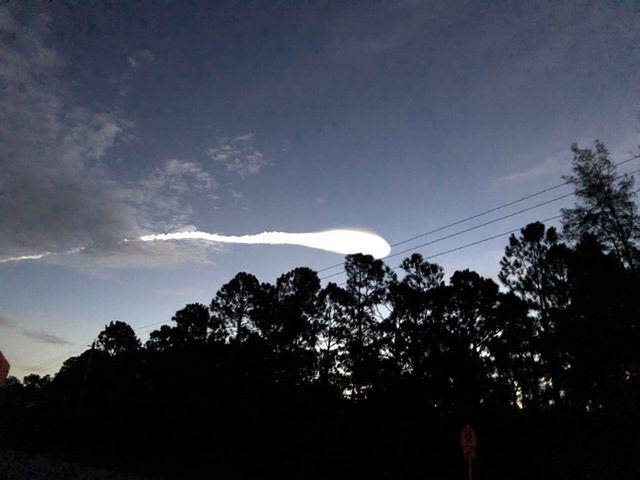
x=297, y=297
x=534, y=267
x=411, y=323
x=606, y=206
x=162, y=339
x=367, y=283
x=117, y=338
x=514, y=352
x=468, y=304
x=332, y=330
x=285, y=316
x=192, y=323
x=233, y=304
x=603, y=335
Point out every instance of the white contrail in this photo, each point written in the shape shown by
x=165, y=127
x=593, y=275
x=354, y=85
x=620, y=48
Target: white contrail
x=339, y=241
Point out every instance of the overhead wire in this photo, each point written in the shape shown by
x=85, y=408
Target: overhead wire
x=486, y=212
x=47, y=364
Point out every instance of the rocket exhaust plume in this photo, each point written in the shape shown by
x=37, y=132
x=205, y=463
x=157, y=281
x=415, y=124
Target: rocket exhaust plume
x=340, y=241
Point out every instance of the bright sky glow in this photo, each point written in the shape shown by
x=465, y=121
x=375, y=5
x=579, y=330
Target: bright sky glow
x=339, y=241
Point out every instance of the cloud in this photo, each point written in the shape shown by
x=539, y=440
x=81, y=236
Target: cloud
x=238, y=155
x=180, y=176
x=52, y=189
x=559, y=163
x=45, y=337
x=5, y=322
x=37, y=335
x=161, y=200
x=139, y=58
x=339, y=241
x=554, y=165
x=56, y=190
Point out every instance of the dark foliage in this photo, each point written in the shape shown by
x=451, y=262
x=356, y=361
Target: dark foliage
x=372, y=379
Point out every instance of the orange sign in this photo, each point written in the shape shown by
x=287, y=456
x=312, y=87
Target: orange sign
x=4, y=370
x=468, y=442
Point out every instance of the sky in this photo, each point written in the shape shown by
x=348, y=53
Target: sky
x=119, y=120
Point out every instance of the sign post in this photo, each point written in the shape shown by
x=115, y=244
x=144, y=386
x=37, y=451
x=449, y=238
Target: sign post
x=468, y=442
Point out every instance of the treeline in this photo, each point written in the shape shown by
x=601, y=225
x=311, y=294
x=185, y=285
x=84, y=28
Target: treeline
x=375, y=377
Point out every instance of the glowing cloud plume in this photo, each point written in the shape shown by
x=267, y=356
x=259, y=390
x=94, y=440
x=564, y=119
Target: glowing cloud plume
x=339, y=241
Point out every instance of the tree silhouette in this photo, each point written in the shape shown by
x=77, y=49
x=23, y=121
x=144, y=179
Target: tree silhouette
x=374, y=378
x=162, y=339
x=192, y=323
x=332, y=323
x=233, y=304
x=116, y=338
x=367, y=281
x=417, y=311
x=606, y=205
x=534, y=267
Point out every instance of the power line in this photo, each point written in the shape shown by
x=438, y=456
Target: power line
x=486, y=212
x=475, y=227
x=466, y=230
x=471, y=244
x=477, y=242
x=458, y=222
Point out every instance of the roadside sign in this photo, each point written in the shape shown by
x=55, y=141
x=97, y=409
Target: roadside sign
x=4, y=370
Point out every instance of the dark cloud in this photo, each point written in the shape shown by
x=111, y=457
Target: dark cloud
x=55, y=186
x=5, y=322
x=37, y=335
x=45, y=337
x=50, y=150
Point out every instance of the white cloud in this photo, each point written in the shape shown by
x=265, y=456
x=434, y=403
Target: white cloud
x=238, y=155
x=161, y=200
x=180, y=176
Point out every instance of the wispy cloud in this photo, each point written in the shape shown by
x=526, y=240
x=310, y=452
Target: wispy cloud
x=44, y=337
x=55, y=189
x=554, y=165
x=139, y=58
x=162, y=200
x=37, y=335
x=238, y=155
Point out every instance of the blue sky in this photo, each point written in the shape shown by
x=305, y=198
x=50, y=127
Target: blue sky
x=242, y=117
